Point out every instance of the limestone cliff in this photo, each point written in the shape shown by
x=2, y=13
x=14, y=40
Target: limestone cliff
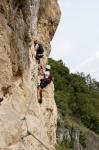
x=23, y=121
x=75, y=135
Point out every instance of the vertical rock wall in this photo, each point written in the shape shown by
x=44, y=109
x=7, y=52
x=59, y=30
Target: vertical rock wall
x=23, y=121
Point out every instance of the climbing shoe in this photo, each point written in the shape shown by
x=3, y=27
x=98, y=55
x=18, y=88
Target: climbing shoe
x=1, y=99
x=40, y=101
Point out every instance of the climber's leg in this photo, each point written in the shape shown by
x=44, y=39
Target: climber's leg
x=37, y=59
x=39, y=94
x=40, y=100
x=39, y=90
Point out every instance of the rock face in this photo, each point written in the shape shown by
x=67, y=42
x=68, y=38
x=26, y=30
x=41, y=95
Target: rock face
x=75, y=138
x=24, y=123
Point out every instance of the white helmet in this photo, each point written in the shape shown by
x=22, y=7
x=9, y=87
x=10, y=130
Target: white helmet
x=48, y=67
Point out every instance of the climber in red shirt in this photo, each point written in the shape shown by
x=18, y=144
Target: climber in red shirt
x=44, y=82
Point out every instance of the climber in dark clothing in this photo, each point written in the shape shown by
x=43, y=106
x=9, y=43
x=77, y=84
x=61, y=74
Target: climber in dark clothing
x=44, y=82
x=39, y=50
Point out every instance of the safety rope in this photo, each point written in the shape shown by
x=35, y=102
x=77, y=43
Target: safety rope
x=28, y=132
x=39, y=141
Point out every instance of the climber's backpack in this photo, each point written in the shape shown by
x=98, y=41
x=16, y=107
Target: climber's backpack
x=49, y=79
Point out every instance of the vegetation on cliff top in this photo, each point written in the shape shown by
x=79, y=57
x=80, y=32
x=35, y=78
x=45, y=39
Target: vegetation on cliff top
x=76, y=95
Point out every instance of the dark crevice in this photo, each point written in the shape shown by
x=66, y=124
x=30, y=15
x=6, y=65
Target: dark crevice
x=18, y=4
x=5, y=90
x=1, y=9
x=19, y=73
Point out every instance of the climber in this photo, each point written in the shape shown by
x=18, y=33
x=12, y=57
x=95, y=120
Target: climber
x=39, y=50
x=44, y=82
x=1, y=99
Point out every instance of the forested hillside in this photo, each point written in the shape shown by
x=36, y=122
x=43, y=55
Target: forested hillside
x=76, y=95
x=77, y=99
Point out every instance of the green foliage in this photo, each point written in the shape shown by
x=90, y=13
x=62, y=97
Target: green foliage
x=64, y=146
x=83, y=139
x=60, y=74
x=62, y=99
x=60, y=147
x=76, y=95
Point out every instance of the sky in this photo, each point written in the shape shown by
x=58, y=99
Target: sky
x=76, y=40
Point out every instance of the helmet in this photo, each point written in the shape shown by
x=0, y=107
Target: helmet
x=48, y=67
